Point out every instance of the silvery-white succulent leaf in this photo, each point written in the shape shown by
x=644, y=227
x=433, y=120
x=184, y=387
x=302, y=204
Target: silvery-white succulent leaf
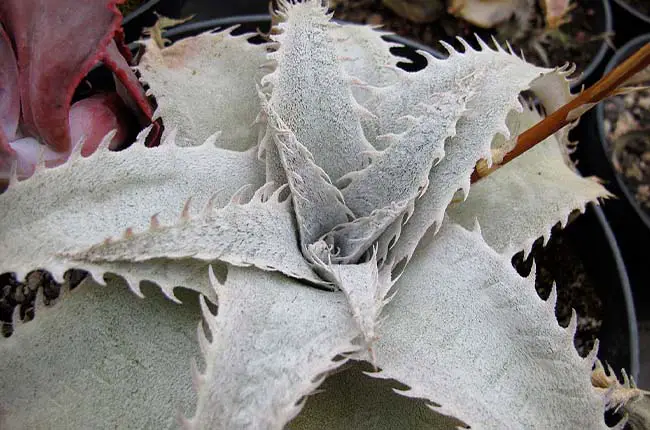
x=524, y=199
x=364, y=289
x=351, y=240
x=260, y=232
x=272, y=341
x=311, y=92
x=471, y=335
x=484, y=118
x=86, y=200
x=401, y=171
x=101, y=358
x=206, y=83
x=349, y=399
x=365, y=55
x=317, y=203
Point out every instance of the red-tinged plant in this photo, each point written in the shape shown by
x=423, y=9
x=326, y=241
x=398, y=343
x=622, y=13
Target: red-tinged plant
x=46, y=50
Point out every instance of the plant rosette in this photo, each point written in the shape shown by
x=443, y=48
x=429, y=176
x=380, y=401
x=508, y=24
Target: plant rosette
x=321, y=198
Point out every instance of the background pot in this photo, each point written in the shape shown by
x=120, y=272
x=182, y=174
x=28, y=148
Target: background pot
x=597, y=159
x=208, y=9
x=145, y=16
x=590, y=235
x=628, y=22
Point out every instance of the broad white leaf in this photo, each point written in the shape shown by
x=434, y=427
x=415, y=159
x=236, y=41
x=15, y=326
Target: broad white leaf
x=484, y=118
x=272, y=341
x=365, y=56
x=311, y=92
x=522, y=200
x=87, y=200
x=317, y=203
x=100, y=358
x=471, y=335
x=401, y=171
x=364, y=289
x=260, y=232
x=206, y=83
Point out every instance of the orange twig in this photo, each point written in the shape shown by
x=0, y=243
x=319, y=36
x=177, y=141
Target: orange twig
x=602, y=89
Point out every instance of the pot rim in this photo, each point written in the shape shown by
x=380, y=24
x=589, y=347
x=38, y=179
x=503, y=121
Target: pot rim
x=632, y=11
x=614, y=250
x=250, y=19
x=233, y=21
x=602, y=51
x=139, y=11
x=625, y=51
x=626, y=288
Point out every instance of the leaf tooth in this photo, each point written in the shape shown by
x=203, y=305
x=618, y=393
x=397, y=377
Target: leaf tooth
x=466, y=45
x=450, y=49
x=128, y=233
x=573, y=324
x=208, y=317
x=97, y=276
x=280, y=195
x=592, y=356
x=154, y=223
x=134, y=286
x=260, y=195
x=243, y=195
x=431, y=59
x=212, y=139
x=484, y=46
x=185, y=213
x=75, y=154
x=104, y=145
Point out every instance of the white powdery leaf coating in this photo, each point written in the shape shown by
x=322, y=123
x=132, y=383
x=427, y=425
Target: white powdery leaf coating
x=470, y=334
x=317, y=203
x=400, y=172
x=206, y=83
x=87, y=200
x=361, y=285
x=311, y=92
x=485, y=117
x=261, y=233
x=100, y=358
x=352, y=239
x=524, y=199
x=366, y=56
x=272, y=341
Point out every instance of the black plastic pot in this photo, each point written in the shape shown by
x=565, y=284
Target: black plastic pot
x=594, y=70
x=594, y=241
x=145, y=16
x=628, y=22
x=598, y=157
x=248, y=23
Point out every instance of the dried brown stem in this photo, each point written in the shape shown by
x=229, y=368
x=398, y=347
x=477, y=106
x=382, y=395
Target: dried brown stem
x=571, y=111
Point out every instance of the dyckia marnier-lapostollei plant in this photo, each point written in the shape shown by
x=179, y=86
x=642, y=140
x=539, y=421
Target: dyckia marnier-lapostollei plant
x=314, y=192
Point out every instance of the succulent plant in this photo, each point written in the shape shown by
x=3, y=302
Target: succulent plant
x=314, y=200
x=46, y=50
